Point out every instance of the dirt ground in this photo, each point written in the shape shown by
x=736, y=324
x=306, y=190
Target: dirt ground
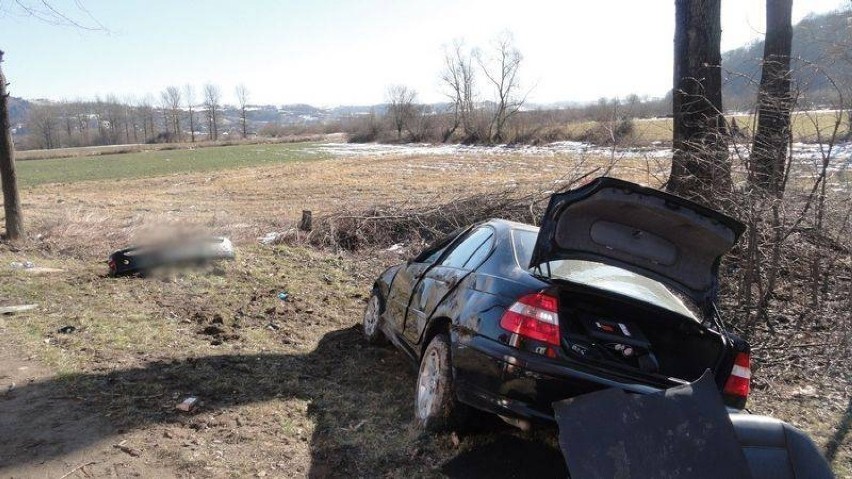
x=285, y=388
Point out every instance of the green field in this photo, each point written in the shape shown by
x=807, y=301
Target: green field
x=159, y=163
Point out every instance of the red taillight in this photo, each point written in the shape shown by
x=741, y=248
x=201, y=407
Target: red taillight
x=534, y=316
x=740, y=378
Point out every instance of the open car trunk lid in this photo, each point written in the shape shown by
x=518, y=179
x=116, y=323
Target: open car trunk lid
x=643, y=230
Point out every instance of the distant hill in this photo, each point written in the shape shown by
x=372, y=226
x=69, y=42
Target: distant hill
x=822, y=49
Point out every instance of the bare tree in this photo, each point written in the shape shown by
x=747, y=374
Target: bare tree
x=173, y=94
x=45, y=12
x=400, y=100
x=165, y=109
x=68, y=122
x=701, y=169
x=146, y=114
x=8, y=176
x=769, y=153
x=113, y=113
x=42, y=122
x=242, y=99
x=458, y=80
x=189, y=94
x=501, y=71
x=212, y=97
x=81, y=117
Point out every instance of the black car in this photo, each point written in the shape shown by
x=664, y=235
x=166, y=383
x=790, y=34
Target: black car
x=617, y=288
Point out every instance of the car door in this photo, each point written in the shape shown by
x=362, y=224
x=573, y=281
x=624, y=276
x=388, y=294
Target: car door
x=443, y=277
x=407, y=278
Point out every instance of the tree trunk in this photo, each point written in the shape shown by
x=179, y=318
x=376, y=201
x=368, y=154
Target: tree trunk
x=700, y=169
x=769, y=152
x=11, y=199
x=243, y=118
x=191, y=124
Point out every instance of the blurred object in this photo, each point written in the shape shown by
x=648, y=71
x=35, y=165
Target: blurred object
x=180, y=252
x=66, y=329
x=284, y=296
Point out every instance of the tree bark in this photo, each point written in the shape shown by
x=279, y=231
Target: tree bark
x=701, y=169
x=769, y=152
x=8, y=177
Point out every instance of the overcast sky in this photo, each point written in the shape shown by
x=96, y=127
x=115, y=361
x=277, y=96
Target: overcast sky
x=327, y=52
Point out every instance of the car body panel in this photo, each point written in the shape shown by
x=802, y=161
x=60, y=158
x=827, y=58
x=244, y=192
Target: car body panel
x=429, y=292
x=647, y=231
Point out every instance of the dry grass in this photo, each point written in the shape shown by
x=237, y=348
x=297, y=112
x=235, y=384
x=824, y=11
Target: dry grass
x=808, y=127
x=289, y=387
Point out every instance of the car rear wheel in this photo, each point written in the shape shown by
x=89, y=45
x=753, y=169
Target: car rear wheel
x=435, y=404
x=372, y=318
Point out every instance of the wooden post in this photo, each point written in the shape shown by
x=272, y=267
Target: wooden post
x=305, y=224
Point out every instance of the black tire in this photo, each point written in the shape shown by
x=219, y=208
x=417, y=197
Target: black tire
x=372, y=320
x=436, y=408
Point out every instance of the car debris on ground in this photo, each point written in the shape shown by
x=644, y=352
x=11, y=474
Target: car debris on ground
x=143, y=259
x=683, y=431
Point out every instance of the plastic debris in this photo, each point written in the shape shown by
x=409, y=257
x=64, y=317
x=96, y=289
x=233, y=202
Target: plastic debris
x=188, y=404
x=396, y=247
x=66, y=329
x=127, y=449
x=269, y=238
x=284, y=296
x=24, y=265
x=17, y=309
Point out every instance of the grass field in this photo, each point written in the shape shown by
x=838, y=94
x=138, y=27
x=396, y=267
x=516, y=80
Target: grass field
x=158, y=163
x=287, y=388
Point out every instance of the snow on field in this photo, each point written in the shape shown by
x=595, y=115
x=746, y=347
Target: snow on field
x=424, y=149
x=805, y=153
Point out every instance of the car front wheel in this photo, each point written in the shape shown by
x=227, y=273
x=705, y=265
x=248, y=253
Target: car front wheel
x=435, y=404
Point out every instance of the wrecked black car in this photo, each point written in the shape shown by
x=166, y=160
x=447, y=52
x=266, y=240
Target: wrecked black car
x=617, y=289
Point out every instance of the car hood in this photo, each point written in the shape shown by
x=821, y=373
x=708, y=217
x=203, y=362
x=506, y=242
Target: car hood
x=649, y=232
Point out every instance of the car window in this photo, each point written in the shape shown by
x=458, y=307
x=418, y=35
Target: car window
x=464, y=250
x=436, y=249
x=479, y=255
x=524, y=243
x=432, y=257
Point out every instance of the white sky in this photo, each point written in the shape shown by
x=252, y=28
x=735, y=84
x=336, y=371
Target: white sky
x=327, y=52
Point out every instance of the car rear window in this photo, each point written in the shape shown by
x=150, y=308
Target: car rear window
x=627, y=283
x=605, y=277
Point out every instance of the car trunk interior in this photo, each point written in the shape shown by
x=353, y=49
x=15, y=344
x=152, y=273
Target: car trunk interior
x=610, y=331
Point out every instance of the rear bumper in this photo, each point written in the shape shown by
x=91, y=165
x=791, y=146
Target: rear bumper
x=494, y=377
